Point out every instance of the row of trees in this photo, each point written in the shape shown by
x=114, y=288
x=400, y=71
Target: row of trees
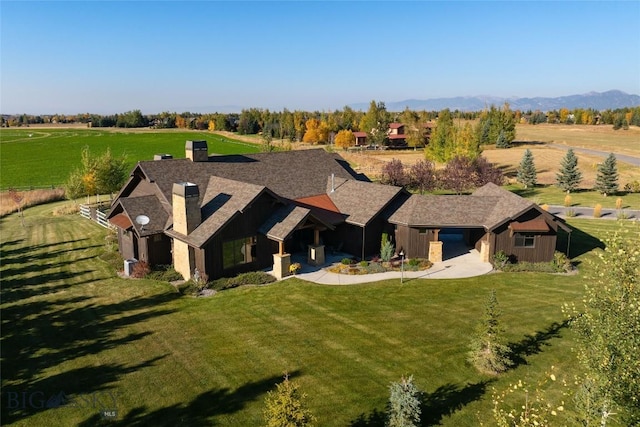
x=460, y=174
x=569, y=176
x=255, y=120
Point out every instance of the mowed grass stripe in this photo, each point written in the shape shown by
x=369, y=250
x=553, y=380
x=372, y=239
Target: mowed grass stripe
x=211, y=360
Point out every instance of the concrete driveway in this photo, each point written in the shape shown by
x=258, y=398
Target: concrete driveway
x=465, y=263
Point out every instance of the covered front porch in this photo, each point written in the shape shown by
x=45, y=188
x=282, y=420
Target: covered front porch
x=295, y=229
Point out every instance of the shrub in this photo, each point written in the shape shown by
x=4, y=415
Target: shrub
x=346, y=261
x=285, y=406
x=414, y=262
x=375, y=267
x=567, y=200
x=622, y=215
x=632, y=187
x=545, y=207
x=164, y=273
x=386, y=250
x=597, y=211
x=251, y=278
x=295, y=267
x=363, y=263
x=619, y=203
x=570, y=213
x=500, y=260
x=561, y=262
x=140, y=270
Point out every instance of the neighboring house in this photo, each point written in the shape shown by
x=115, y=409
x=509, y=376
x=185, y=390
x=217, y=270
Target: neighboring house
x=397, y=137
x=224, y=215
x=361, y=138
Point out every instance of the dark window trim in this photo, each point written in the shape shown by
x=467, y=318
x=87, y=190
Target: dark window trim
x=524, y=238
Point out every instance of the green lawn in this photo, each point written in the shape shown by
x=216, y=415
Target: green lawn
x=70, y=325
x=44, y=157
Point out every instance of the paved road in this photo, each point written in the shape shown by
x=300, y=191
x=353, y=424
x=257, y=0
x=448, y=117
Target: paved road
x=620, y=157
x=587, y=213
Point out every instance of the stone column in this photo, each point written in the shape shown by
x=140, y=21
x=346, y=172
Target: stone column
x=484, y=251
x=281, y=263
x=435, y=252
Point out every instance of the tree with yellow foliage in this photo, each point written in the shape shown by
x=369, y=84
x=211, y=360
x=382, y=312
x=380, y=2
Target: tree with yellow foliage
x=345, y=139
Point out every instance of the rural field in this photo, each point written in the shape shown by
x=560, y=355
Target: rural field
x=70, y=325
x=42, y=157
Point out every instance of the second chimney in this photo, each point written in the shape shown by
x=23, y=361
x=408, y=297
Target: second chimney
x=186, y=207
x=197, y=151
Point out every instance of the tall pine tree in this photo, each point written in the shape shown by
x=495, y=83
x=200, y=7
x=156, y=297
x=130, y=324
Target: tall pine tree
x=527, y=171
x=569, y=176
x=488, y=351
x=607, y=178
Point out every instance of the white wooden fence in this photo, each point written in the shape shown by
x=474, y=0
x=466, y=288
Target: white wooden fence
x=93, y=213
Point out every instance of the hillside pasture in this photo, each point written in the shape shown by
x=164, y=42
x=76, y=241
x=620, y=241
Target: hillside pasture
x=44, y=157
x=71, y=325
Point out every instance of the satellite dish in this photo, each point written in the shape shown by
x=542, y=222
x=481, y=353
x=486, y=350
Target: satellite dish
x=142, y=220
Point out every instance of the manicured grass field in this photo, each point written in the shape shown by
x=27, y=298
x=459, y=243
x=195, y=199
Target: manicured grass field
x=70, y=325
x=43, y=157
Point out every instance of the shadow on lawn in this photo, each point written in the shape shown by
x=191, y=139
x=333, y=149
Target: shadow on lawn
x=198, y=412
x=532, y=344
x=444, y=401
x=580, y=244
x=45, y=330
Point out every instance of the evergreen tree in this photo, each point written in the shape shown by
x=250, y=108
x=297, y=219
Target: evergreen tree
x=502, y=140
x=569, y=176
x=285, y=406
x=489, y=354
x=404, y=409
x=607, y=178
x=527, y=171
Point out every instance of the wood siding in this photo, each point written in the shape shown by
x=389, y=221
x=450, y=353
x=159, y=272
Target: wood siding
x=544, y=243
x=244, y=225
x=414, y=243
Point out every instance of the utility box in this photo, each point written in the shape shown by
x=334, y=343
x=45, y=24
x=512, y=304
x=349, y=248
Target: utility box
x=129, y=264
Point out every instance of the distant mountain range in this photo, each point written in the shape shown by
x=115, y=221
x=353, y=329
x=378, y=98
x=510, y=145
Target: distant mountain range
x=598, y=100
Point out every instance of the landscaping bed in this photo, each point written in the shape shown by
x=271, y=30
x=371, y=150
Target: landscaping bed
x=352, y=267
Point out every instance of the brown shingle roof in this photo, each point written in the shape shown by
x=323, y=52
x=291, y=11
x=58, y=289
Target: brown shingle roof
x=222, y=201
x=361, y=201
x=290, y=174
x=488, y=207
x=283, y=222
x=145, y=205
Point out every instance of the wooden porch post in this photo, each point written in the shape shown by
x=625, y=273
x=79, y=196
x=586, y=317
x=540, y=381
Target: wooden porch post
x=281, y=247
x=316, y=236
x=436, y=231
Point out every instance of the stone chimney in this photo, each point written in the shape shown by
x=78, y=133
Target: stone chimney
x=186, y=208
x=197, y=151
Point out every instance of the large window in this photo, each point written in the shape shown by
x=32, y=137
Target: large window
x=239, y=251
x=525, y=240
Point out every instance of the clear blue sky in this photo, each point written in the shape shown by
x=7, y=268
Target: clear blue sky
x=107, y=57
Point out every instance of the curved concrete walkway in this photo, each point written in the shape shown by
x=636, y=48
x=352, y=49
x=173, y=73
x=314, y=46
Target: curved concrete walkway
x=467, y=264
x=620, y=157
